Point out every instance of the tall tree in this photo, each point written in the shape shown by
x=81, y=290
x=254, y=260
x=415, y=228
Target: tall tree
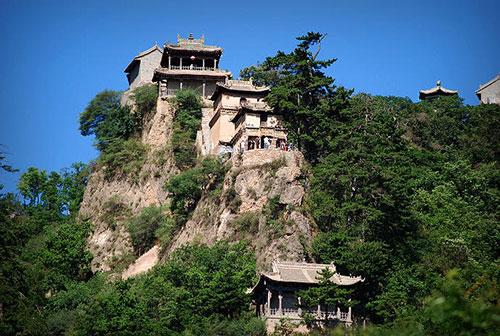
x=300, y=90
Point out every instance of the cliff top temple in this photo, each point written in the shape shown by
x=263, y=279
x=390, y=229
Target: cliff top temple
x=190, y=63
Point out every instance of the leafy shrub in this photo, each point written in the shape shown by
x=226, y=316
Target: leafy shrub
x=233, y=199
x=123, y=157
x=145, y=98
x=187, y=121
x=187, y=187
x=114, y=209
x=143, y=227
x=105, y=118
x=247, y=222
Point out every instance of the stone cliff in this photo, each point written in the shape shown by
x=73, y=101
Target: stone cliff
x=260, y=202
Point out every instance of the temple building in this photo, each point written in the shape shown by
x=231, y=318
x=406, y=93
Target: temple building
x=258, y=127
x=437, y=91
x=230, y=99
x=190, y=64
x=489, y=92
x=141, y=69
x=275, y=294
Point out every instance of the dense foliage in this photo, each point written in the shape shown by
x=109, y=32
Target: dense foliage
x=187, y=187
x=187, y=121
x=117, y=127
x=404, y=194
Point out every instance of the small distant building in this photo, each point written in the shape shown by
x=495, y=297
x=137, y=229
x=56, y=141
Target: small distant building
x=140, y=70
x=229, y=99
x=489, y=92
x=437, y=91
x=190, y=64
x=275, y=294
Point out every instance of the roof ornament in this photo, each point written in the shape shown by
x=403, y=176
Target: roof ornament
x=178, y=37
x=438, y=83
x=191, y=37
x=202, y=38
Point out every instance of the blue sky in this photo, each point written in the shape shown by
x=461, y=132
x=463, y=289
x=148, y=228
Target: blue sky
x=56, y=55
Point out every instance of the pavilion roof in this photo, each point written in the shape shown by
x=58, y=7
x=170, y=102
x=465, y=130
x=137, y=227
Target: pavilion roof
x=306, y=273
x=140, y=55
x=217, y=73
x=238, y=86
x=193, y=45
x=437, y=90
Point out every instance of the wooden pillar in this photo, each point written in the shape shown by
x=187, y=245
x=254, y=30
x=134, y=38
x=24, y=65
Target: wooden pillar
x=299, y=310
x=203, y=63
x=169, y=62
x=215, y=63
x=319, y=312
x=180, y=63
x=204, y=87
x=280, y=304
x=349, y=319
x=180, y=85
x=338, y=313
x=269, y=295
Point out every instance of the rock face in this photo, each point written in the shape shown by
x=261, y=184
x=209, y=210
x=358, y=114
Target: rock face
x=260, y=202
x=110, y=240
x=257, y=179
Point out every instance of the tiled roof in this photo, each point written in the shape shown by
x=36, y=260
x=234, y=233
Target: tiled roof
x=436, y=90
x=191, y=43
x=307, y=273
x=239, y=86
x=218, y=73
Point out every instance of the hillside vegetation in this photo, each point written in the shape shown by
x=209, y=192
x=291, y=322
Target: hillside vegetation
x=403, y=194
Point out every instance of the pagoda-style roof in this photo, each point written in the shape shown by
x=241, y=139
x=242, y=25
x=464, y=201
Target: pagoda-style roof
x=307, y=273
x=438, y=90
x=255, y=107
x=191, y=45
x=239, y=86
x=302, y=273
x=185, y=72
x=137, y=58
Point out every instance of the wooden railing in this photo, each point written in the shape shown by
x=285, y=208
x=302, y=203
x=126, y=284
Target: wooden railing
x=193, y=67
x=291, y=312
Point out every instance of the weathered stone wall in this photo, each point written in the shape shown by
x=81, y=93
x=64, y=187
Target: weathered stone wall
x=491, y=94
x=145, y=69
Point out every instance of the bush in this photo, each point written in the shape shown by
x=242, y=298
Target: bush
x=187, y=121
x=187, y=187
x=123, y=157
x=114, y=209
x=143, y=228
x=145, y=98
x=247, y=222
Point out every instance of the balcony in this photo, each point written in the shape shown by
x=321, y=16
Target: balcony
x=195, y=68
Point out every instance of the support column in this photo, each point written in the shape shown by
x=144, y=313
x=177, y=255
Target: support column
x=299, y=310
x=215, y=64
x=319, y=312
x=349, y=319
x=180, y=62
x=169, y=62
x=338, y=313
x=280, y=304
x=269, y=295
x=204, y=87
x=203, y=63
x=180, y=85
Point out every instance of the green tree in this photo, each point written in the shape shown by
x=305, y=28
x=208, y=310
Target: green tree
x=300, y=90
x=31, y=185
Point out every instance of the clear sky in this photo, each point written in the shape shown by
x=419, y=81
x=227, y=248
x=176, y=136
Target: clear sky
x=56, y=55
